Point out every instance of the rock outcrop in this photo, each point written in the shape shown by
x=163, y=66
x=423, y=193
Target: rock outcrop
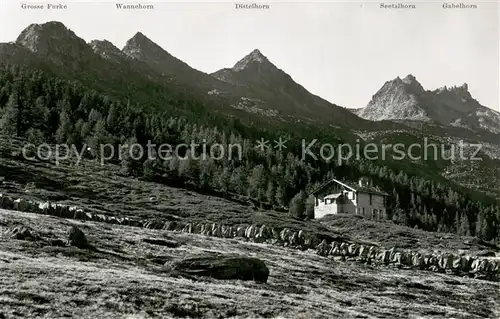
x=220, y=266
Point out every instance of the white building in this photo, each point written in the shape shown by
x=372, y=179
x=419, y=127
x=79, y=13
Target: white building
x=336, y=197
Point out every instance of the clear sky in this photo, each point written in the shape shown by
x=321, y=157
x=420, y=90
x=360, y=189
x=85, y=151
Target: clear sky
x=342, y=51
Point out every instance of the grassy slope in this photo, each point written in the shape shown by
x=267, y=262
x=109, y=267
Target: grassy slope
x=101, y=189
x=388, y=234
x=122, y=279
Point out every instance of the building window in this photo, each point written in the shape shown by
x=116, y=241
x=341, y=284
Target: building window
x=363, y=211
x=375, y=214
x=370, y=199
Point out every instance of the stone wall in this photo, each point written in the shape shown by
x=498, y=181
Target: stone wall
x=462, y=265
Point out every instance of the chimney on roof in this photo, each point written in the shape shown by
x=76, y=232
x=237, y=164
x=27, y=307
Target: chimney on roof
x=364, y=182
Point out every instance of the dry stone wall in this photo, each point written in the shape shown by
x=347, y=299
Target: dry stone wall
x=477, y=267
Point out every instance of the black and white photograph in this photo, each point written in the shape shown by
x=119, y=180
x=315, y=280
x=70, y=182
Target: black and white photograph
x=253, y=159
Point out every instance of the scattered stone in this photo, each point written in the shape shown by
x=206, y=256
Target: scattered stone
x=220, y=266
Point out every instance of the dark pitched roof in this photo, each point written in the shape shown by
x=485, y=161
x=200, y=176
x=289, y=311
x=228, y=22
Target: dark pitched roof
x=353, y=186
x=368, y=189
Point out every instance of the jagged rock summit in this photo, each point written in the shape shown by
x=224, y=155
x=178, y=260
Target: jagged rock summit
x=406, y=99
x=254, y=57
x=50, y=37
x=253, y=69
x=139, y=46
x=397, y=99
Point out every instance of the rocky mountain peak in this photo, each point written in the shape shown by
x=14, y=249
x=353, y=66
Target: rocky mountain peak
x=406, y=99
x=398, y=86
x=106, y=49
x=254, y=57
x=139, y=40
x=52, y=38
x=142, y=48
x=396, y=99
x=55, y=42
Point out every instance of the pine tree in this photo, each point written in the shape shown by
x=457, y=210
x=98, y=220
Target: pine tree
x=280, y=196
x=270, y=193
x=111, y=120
x=310, y=207
x=131, y=158
x=149, y=169
x=464, y=228
x=297, y=206
x=65, y=129
x=224, y=180
x=11, y=117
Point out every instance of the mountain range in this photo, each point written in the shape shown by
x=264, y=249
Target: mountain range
x=253, y=86
x=254, y=97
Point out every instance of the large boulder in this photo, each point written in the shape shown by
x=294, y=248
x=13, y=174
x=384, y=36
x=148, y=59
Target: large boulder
x=221, y=266
x=77, y=238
